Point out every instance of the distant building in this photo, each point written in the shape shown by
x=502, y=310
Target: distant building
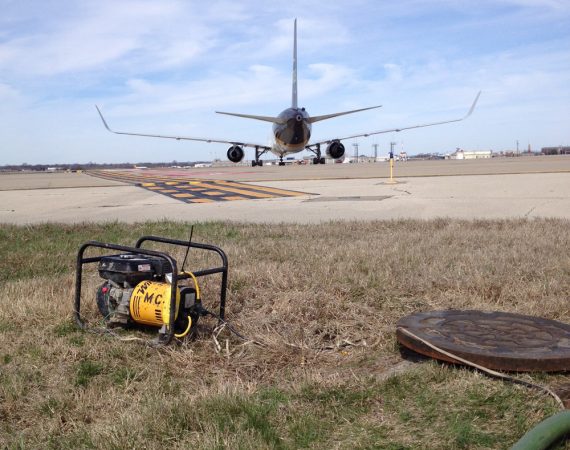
x=472, y=154
x=555, y=150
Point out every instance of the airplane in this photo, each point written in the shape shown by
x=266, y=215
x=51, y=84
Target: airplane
x=291, y=129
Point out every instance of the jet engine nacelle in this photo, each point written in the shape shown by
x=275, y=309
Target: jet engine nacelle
x=235, y=153
x=335, y=150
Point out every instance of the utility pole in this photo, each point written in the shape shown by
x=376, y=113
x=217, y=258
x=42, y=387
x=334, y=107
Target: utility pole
x=355, y=145
x=375, y=147
x=517, y=147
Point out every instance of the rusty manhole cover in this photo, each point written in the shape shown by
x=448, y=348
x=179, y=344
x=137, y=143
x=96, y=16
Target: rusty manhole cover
x=496, y=340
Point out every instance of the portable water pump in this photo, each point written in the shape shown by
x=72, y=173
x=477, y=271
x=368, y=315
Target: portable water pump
x=144, y=287
x=136, y=291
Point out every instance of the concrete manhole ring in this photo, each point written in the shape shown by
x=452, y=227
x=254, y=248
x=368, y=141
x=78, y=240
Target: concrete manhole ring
x=496, y=340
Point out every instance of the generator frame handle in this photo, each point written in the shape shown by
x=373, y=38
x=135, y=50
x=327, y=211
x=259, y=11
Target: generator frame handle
x=167, y=337
x=200, y=273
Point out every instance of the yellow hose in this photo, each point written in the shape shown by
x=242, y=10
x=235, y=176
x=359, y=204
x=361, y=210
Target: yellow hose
x=187, y=330
x=197, y=287
x=195, y=284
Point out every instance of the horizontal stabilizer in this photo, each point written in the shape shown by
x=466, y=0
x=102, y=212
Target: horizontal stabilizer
x=251, y=116
x=330, y=116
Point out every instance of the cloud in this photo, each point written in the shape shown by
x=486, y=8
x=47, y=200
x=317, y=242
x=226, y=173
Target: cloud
x=166, y=66
x=97, y=35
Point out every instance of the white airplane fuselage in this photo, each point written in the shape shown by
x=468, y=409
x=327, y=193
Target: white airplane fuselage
x=293, y=133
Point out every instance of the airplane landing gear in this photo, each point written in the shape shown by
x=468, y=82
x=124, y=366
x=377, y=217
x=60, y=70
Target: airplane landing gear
x=257, y=161
x=281, y=163
x=318, y=158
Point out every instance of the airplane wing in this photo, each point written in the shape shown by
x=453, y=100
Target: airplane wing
x=402, y=128
x=184, y=138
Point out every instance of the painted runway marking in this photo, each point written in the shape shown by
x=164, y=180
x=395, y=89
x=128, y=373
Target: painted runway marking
x=194, y=190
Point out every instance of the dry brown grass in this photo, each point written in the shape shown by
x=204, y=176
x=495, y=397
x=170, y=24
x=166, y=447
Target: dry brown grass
x=324, y=301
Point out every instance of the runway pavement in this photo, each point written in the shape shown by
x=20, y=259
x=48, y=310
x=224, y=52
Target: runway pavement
x=498, y=188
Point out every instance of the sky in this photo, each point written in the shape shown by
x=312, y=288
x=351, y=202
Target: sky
x=165, y=66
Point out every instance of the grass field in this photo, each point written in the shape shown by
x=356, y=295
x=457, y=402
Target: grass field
x=323, y=300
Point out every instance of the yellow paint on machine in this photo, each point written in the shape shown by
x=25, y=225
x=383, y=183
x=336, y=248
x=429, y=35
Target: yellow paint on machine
x=150, y=303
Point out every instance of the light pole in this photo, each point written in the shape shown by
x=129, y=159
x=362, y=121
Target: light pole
x=355, y=145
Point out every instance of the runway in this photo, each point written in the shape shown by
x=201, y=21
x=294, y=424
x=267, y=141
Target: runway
x=492, y=189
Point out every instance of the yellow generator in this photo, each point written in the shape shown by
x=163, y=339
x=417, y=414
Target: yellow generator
x=144, y=287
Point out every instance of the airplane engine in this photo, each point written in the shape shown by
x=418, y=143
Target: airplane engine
x=335, y=150
x=235, y=153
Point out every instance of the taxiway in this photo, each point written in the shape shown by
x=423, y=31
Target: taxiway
x=493, y=189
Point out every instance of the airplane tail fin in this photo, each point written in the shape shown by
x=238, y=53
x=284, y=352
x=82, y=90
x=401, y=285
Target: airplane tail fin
x=294, y=102
x=294, y=87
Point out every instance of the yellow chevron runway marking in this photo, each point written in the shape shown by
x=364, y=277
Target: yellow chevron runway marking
x=279, y=192
x=183, y=195
x=238, y=191
x=192, y=190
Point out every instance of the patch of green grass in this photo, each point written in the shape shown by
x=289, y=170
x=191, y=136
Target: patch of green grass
x=35, y=352
x=65, y=328
x=466, y=435
x=236, y=413
x=50, y=406
x=86, y=371
x=305, y=430
x=77, y=340
x=79, y=439
x=6, y=326
x=123, y=375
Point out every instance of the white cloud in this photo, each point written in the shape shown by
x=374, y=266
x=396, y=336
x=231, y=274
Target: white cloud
x=166, y=66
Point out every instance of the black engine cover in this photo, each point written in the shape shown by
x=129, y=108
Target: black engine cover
x=235, y=153
x=132, y=268
x=335, y=150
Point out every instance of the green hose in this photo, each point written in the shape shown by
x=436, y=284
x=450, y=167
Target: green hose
x=546, y=433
